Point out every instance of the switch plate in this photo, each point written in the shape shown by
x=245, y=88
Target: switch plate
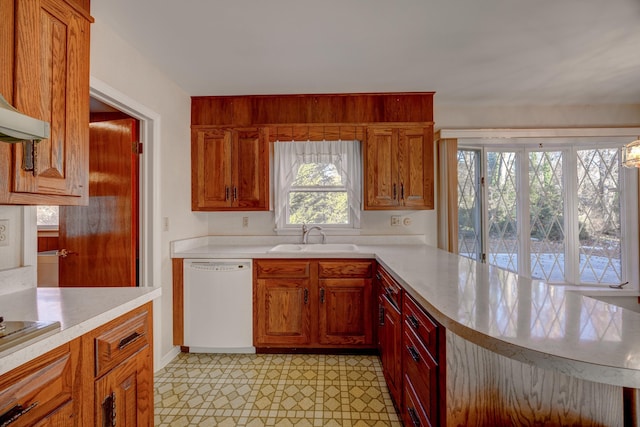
x=245, y=221
x=395, y=220
x=4, y=232
x=165, y=223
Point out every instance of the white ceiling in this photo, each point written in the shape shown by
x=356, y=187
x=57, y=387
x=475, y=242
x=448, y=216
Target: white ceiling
x=470, y=52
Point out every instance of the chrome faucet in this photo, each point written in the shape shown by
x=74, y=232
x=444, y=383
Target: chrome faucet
x=306, y=230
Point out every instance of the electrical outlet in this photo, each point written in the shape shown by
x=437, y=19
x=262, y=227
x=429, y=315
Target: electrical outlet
x=395, y=220
x=4, y=232
x=245, y=221
x=406, y=222
x=165, y=223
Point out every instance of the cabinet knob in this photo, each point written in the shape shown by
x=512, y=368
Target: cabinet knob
x=413, y=353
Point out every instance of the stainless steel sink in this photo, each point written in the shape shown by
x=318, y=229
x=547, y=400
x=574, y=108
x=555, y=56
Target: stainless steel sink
x=16, y=332
x=315, y=248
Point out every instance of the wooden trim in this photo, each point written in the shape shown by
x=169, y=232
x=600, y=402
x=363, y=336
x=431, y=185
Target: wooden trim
x=178, y=301
x=537, y=133
x=312, y=109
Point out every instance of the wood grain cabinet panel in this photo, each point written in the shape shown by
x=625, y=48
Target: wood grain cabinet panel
x=345, y=311
x=283, y=310
x=43, y=391
x=51, y=83
x=390, y=333
x=229, y=170
x=313, y=304
x=398, y=168
x=423, y=366
x=119, y=381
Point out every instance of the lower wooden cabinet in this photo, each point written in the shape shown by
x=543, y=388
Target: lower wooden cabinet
x=390, y=339
x=122, y=372
x=423, y=361
x=44, y=391
x=103, y=378
x=313, y=303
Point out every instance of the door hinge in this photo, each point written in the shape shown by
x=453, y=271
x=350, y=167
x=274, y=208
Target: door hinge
x=136, y=147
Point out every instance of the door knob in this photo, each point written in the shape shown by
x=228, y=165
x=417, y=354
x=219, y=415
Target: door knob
x=63, y=253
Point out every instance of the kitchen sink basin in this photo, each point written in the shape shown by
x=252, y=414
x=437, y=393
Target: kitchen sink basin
x=15, y=332
x=316, y=248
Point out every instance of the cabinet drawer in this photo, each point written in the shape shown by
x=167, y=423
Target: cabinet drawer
x=279, y=268
x=118, y=343
x=35, y=390
x=338, y=269
x=421, y=370
x=418, y=321
x=413, y=413
x=389, y=287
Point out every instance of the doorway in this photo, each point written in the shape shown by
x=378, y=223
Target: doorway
x=148, y=268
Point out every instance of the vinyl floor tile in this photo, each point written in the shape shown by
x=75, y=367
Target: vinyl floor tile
x=260, y=390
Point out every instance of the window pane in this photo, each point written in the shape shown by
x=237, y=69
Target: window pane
x=317, y=174
x=47, y=216
x=502, y=248
x=469, y=225
x=546, y=215
x=318, y=207
x=599, y=216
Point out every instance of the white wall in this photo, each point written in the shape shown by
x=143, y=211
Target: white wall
x=11, y=254
x=119, y=65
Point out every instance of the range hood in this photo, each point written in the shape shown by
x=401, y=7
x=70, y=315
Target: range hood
x=18, y=127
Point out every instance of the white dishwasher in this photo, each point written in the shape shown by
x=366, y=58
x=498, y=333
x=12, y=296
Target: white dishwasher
x=218, y=305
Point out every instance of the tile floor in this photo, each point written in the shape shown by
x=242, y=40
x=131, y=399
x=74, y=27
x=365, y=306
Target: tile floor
x=272, y=390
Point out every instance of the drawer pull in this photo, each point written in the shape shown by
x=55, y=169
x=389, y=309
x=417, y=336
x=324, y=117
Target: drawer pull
x=413, y=353
x=128, y=340
x=414, y=322
x=109, y=411
x=14, y=413
x=414, y=417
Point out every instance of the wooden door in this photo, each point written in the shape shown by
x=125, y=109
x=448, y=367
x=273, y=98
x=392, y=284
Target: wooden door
x=211, y=170
x=250, y=176
x=415, y=164
x=390, y=337
x=345, y=311
x=121, y=396
x=52, y=84
x=102, y=238
x=381, y=184
x=283, y=312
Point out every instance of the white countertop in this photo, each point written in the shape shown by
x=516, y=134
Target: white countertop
x=79, y=310
x=550, y=326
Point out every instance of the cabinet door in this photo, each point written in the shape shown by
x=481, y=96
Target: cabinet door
x=52, y=83
x=390, y=338
x=282, y=312
x=415, y=163
x=381, y=185
x=211, y=169
x=122, y=396
x=250, y=178
x=345, y=311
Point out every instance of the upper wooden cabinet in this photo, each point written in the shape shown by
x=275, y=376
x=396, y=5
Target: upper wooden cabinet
x=47, y=77
x=398, y=168
x=229, y=170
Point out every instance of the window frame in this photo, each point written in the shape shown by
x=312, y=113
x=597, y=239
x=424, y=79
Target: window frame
x=570, y=147
x=282, y=213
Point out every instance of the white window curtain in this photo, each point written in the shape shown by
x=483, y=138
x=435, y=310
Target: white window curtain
x=289, y=155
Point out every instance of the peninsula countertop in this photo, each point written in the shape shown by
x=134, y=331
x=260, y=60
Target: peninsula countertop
x=550, y=326
x=79, y=310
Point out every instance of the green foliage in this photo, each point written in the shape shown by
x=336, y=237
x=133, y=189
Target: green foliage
x=309, y=205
